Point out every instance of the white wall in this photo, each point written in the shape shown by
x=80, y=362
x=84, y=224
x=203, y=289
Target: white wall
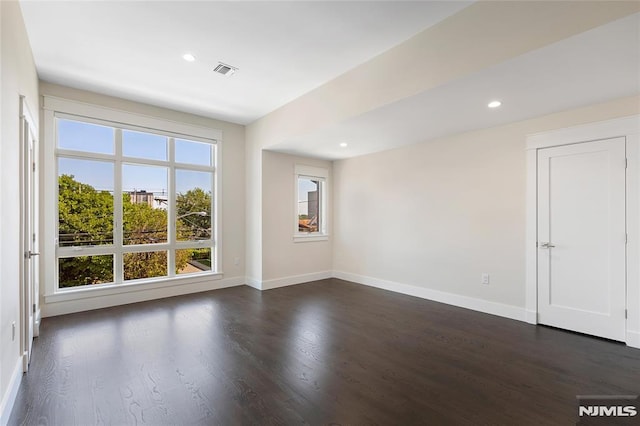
x=231, y=204
x=18, y=78
x=438, y=214
x=283, y=260
x=253, y=203
x=481, y=35
x=3, y=401
x=3, y=391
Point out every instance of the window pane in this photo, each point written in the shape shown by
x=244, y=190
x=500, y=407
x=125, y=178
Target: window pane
x=144, y=145
x=308, y=205
x=193, y=261
x=85, y=270
x=144, y=204
x=85, y=202
x=193, y=205
x=145, y=265
x=80, y=136
x=190, y=152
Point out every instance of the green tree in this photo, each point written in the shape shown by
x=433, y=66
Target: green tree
x=86, y=218
x=145, y=225
x=142, y=223
x=193, y=210
x=85, y=270
x=85, y=215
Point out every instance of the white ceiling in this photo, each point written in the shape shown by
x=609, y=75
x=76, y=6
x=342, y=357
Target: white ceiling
x=594, y=66
x=134, y=49
x=284, y=49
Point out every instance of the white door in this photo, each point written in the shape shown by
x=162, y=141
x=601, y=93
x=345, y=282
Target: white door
x=582, y=237
x=30, y=268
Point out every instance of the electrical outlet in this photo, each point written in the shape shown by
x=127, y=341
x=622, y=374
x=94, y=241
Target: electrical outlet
x=484, y=279
x=13, y=331
x=236, y=261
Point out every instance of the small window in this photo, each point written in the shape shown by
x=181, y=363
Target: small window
x=309, y=190
x=311, y=199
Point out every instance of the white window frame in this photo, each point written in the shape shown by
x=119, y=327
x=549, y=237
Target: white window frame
x=54, y=108
x=322, y=175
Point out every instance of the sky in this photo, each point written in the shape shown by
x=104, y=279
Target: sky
x=86, y=137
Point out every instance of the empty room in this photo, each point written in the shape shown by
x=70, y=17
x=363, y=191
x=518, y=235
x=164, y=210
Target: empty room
x=319, y=212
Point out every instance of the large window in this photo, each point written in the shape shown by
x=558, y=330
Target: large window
x=133, y=204
x=311, y=201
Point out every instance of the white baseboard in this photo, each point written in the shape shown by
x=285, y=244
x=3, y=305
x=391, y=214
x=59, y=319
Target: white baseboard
x=633, y=339
x=9, y=398
x=295, y=279
x=485, y=306
x=106, y=301
x=531, y=316
x=254, y=282
x=37, y=322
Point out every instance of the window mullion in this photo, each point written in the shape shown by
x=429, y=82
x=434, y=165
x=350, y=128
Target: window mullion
x=214, y=219
x=171, y=209
x=118, y=226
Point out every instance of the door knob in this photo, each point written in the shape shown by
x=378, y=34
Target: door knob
x=546, y=245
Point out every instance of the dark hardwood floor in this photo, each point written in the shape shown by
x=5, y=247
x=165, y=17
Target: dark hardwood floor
x=327, y=352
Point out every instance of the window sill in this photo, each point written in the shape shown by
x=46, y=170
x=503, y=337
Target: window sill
x=83, y=292
x=301, y=238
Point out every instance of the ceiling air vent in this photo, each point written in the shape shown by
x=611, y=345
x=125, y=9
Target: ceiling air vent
x=225, y=69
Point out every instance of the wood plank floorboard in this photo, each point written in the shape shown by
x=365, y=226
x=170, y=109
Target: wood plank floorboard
x=328, y=352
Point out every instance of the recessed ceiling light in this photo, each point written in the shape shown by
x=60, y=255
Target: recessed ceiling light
x=344, y=145
x=188, y=57
x=494, y=104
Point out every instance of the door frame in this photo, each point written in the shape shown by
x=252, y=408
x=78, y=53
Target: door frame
x=629, y=128
x=29, y=297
